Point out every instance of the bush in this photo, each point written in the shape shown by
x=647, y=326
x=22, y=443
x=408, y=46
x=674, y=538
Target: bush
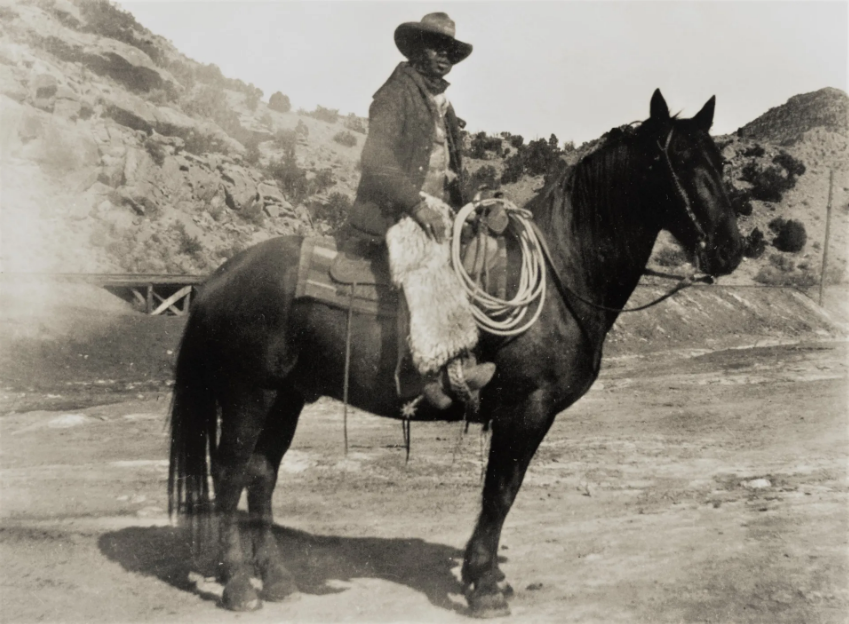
x=328, y=115
x=286, y=140
x=516, y=141
x=211, y=101
x=345, y=138
x=791, y=236
x=481, y=144
x=183, y=72
x=302, y=129
x=755, y=244
x=252, y=153
x=189, y=245
x=291, y=178
x=670, y=257
x=538, y=157
x=334, y=211
x=768, y=184
x=755, y=151
x=776, y=224
x=323, y=180
x=252, y=100
x=107, y=20
x=772, y=276
x=782, y=262
x=486, y=176
x=792, y=166
x=279, y=102
x=355, y=124
x=513, y=169
x=740, y=202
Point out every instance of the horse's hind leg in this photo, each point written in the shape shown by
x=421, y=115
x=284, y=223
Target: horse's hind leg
x=244, y=412
x=273, y=443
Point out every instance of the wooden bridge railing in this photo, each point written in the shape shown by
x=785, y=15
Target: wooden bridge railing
x=157, y=293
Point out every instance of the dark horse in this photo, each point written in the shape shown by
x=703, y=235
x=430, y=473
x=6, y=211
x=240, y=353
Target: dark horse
x=254, y=354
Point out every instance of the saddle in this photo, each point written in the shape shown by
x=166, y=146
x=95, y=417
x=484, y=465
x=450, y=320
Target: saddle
x=354, y=273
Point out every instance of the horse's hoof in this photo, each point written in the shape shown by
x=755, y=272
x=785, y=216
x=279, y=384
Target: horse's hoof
x=506, y=588
x=239, y=595
x=278, y=584
x=490, y=605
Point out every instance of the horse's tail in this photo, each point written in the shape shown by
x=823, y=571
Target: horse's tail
x=194, y=425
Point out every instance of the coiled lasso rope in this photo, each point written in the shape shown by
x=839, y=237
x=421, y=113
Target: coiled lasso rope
x=498, y=316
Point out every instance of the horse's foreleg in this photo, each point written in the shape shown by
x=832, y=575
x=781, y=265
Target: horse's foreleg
x=274, y=441
x=516, y=434
x=243, y=417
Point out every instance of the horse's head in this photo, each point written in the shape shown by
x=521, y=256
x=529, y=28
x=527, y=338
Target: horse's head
x=686, y=170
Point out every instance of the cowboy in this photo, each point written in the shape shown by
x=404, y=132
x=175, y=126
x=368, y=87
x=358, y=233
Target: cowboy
x=411, y=167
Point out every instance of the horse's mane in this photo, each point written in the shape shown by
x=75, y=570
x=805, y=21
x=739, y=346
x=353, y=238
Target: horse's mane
x=586, y=188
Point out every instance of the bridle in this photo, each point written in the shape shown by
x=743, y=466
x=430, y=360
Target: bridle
x=682, y=194
x=683, y=281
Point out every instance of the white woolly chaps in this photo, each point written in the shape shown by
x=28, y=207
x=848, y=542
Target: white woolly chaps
x=441, y=322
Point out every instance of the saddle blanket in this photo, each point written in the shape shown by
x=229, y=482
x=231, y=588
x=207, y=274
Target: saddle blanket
x=363, y=283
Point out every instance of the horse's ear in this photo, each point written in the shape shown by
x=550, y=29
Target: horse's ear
x=704, y=118
x=659, y=108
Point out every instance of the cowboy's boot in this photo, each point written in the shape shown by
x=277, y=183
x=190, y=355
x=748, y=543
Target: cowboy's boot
x=438, y=389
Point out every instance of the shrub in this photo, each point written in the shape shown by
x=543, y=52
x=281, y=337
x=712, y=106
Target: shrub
x=538, y=157
x=252, y=153
x=189, y=245
x=345, y=138
x=776, y=224
x=768, y=184
x=302, y=129
x=791, y=236
x=323, y=180
x=486, y=176
x=755, y=244
x=252, y=100
x=516, y=141
x=755, y=151
x=782, y=262
x=183, y=72
x=279, y=102
x=334, y=211
x=211, y=101
x=740, y=202
x=328, y=115
x=286, y=140
x=355, y=124
x=291, y=178
x=513, y=169
x=481, y=144
x=670, y=257
x=107, y=20
x=793, y=166
x=772, y=276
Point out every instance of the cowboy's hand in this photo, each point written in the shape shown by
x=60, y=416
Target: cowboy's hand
x=430, y=220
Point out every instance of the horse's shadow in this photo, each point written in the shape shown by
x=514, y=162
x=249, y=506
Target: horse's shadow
x=317, y=562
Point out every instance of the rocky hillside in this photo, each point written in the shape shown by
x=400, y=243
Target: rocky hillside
x=121, y=154
x=779, y=170
x=827, y=109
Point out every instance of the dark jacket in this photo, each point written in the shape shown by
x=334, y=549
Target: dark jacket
x=396, y=154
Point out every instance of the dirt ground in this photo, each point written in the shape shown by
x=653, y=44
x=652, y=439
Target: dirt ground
x=687, y=486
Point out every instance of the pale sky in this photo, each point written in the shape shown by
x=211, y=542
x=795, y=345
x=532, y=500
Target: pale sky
x=572, y=68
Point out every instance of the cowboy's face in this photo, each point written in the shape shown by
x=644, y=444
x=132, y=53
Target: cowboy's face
x=432, y=59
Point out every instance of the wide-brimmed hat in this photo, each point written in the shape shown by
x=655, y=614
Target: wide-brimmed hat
x=410, y=36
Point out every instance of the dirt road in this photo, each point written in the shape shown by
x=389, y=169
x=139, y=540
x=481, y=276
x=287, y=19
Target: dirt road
x=685, y=487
